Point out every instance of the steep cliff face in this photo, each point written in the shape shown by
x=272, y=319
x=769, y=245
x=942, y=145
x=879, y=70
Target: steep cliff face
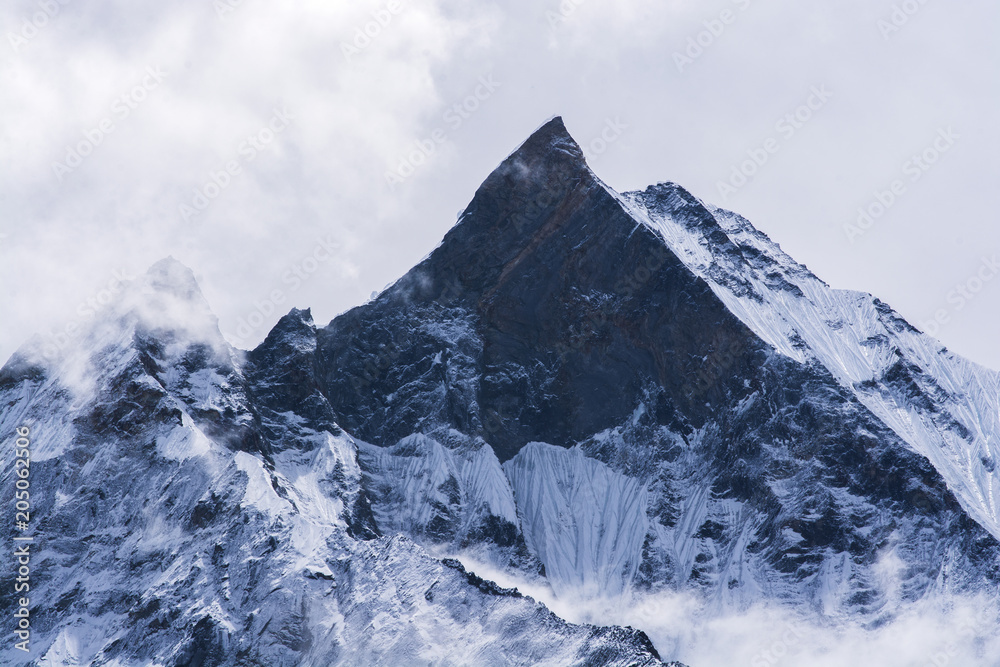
x=542, y=316
x=651, y=337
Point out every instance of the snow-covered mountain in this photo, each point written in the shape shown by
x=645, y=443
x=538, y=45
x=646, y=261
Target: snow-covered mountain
x=196, y=506
x=603, y=394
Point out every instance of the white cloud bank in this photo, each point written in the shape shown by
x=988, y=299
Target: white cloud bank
x=162, y=97
x=939, y=632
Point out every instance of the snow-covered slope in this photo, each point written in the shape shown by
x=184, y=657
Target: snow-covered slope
x=718, y=420
x=944, y=406
x=193, y=507
x=425, y=487
x=585, y=522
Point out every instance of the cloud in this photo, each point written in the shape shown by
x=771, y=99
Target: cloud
x=357, y=117
x=939, y=631
x=107, y=156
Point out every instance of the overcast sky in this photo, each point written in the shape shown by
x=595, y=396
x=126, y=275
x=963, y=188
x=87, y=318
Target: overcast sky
x=253, y=140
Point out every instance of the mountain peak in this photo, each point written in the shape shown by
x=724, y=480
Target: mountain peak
x=295, y=330
x=534, y=203
x=172, y=276
x=515, y=201
x=551, y=136
x=554, y=275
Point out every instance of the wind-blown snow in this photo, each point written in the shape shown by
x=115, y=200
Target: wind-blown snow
x=423, y=476
x=260, y=493
x=585, y=522
x=183, y=442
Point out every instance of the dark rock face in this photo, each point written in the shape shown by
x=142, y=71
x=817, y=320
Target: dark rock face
x=281, y=375
x=553, y=308
x=550, y=313
x=281, y=372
